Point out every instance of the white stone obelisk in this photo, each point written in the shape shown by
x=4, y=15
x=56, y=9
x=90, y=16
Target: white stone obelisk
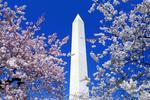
x=78, y=71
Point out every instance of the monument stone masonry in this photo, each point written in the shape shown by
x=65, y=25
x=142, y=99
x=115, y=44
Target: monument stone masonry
x=78, y=70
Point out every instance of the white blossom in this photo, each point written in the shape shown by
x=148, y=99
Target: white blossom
x=107, y=64
x=94, y=57
x=130, y=86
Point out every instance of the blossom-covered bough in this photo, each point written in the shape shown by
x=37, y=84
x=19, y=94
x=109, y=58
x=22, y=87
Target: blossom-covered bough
x=126, y=38
x=28, y=63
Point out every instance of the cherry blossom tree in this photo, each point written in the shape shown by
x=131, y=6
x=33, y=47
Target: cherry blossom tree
x=28, y=63
x=125, y=36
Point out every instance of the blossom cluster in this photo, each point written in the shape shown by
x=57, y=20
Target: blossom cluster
x=127, y=44
x=26, y=59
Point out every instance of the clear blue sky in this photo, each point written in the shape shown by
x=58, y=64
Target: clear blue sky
x=59, y=15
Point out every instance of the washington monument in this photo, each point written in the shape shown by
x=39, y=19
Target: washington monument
x=78, y=71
